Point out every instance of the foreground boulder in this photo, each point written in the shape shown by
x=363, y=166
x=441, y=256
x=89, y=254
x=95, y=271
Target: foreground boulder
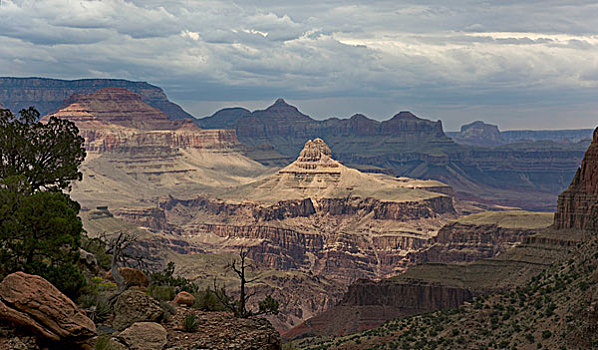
x=34, y=304
x=135, y=306
x=144, y=336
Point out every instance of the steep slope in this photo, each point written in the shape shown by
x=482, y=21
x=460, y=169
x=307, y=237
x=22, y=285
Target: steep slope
x=47, y=95
x=556, y=309
x=577, y=207
x=528, y=174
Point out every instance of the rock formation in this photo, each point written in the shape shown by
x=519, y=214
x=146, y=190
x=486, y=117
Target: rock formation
x=114, y=118
x=143, y=336
x=314, y=216
x=136, y=153
x=480, y=134
x=439, y=285
x=577, y=207
x=47, y=95
x=34, y=304
x=528, y=174
x=135, y=306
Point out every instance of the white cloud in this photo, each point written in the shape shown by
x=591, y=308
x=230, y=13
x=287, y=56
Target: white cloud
x=461, y=53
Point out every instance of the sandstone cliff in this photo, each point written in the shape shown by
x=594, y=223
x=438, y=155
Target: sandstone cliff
x=577, y=206
x=47, y=95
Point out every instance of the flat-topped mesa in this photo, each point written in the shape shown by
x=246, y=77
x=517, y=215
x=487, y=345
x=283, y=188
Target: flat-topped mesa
x=316, y=155
x=577, y=207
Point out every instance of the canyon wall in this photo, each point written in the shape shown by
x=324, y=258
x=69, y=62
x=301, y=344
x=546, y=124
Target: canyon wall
x=578, y=205
x=457, y=242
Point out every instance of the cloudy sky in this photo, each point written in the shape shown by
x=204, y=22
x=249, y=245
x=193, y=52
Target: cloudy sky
x=518, y=64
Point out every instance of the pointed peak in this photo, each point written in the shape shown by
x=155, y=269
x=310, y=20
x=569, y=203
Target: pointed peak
x=315, y=153
x=280, y=102
x=359, y=116
x=406, y=115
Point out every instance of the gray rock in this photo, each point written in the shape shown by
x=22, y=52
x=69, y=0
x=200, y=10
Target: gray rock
x=144, y=336
x=135, y=306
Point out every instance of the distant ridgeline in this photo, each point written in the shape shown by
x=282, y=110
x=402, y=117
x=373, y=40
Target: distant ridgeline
x=481, y=134
x=526, y=174
x=484, y=165
x=47, y=95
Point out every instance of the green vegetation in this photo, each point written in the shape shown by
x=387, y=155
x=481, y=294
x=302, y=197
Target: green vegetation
x=46, y=155
x=190, y=323
x=553, y=310
x=40, y=231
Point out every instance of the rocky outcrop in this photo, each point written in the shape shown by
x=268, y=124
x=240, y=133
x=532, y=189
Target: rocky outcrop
x=577, y=206
x=34, y=304
x=480, y=134
x=47, y=95
x=114, y=119
x=135, y=306
x=457, y=242
x=184, y=298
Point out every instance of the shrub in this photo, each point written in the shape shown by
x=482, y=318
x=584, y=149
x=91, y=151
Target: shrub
x=190, y=323
x=162, y=293
x=207, y=300
x=168, y=310
x=546, y=334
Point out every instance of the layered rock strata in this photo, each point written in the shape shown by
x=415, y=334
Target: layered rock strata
x=315, y=216
x=135, y=153
x=434, y=286
x=526, y=174
x=117, y=119
x=47, y=95
x=577, y=207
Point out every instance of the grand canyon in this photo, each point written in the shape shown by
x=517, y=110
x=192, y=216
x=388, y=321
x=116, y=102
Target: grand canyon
x=271, y=175
x=349, y=223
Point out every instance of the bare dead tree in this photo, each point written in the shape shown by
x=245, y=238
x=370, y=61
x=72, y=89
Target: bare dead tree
x=119, y=246
x=239, y=306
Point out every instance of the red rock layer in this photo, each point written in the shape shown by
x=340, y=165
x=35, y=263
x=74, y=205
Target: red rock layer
x=578, y=205
x=114, y=118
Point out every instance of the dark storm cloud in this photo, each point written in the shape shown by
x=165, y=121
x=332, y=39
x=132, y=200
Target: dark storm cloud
x=441, y=54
